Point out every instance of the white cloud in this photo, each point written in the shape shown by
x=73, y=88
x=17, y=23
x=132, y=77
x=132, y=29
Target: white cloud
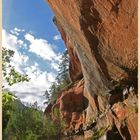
x=14, y=32
x=9, y=41
x=20, y=42
x=18, y=30
x=34, y=89
x=29, y=37
x=19, y=61
x=40, y=80
x=55, y=65
x=51, y=77
x=57, y=37
x=12, y=42
x=41, y=47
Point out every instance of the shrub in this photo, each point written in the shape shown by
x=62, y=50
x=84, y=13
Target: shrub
x=28, y=123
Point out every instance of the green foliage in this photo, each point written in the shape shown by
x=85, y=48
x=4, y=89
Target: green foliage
x=6, y=56
x=12, y=77
x=53, y=128
x=63, y=73
x=56, y=112
x=8, y=71
x=60, y=121
x=7, y=107
x=25, y=122
x=28, y=123
x=7, y=97
x=99, y=133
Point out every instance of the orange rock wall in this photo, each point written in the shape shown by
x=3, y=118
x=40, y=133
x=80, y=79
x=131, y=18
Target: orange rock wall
x=71, y=104
x=101, y=38
x=104, y=36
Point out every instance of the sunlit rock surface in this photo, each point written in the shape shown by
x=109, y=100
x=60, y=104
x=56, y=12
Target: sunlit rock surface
x=101, y=38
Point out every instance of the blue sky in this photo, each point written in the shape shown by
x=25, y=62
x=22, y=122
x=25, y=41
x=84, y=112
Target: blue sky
x=31, y=15
x=28, y=29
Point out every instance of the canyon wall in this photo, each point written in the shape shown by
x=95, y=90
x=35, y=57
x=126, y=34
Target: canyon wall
x=101, y=38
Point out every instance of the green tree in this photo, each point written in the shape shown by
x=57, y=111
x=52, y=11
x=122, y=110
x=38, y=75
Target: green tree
x=62, y=79
x=63, y=74
x=47, y=96
x=28, y=123
x=54, y=89
x=12, y=77
x=7, y=101
x=9, y=73
x=19, y=121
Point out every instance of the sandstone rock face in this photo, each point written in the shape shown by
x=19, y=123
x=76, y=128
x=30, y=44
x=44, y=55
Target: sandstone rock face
x=126, y=117
x=71, y=104
x=101, y=38
x=75, y=66
x=104, y=35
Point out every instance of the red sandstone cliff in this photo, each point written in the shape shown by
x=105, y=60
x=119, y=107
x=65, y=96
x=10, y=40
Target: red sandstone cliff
x=101, y=38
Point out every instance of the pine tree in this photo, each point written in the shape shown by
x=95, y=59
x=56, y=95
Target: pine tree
x=62, y=80
x=63, y=73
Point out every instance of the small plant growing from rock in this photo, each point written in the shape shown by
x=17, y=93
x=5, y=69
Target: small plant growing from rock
x=99, y=133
